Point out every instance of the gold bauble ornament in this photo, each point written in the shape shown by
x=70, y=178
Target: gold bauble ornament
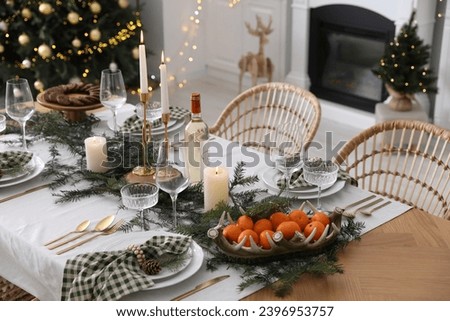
x=76, y=43
x=44, y=51
x=73, y=17
x=135, y=53
x=26, y=13
x=95, y=7
x=45, y=8
x=3, y=26
x=26, y=63
x=38, y=85
x=2, y=48
x=24, y=39
x=95, y=34
x=123, y=4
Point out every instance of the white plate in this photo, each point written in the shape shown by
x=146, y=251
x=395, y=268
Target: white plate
x=182, y=274
x=336, y=187
x=20, y=173
x=124, y=115
x=38, y=168
x=270, y=178
x=132, y=238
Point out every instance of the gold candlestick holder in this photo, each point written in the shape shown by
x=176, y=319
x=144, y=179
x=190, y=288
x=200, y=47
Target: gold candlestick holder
x=169, y=171
x=165, y=119
x=144, y=172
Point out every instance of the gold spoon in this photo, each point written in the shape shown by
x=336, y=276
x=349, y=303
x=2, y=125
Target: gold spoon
x=80, y=228
x=102, y=225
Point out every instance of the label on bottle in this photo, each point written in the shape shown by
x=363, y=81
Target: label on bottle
x=193, y=155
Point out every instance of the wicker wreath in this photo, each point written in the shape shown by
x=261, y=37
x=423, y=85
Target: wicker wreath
x=73, y=94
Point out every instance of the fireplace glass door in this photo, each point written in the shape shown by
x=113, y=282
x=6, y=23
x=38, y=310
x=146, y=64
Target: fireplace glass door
x=343, y=52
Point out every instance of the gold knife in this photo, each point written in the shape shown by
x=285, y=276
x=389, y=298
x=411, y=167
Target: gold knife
x=200, y=287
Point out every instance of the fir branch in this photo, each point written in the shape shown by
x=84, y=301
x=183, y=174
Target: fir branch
x=239, y=178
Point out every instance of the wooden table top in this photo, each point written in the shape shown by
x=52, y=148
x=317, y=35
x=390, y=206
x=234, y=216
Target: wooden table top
x=407, y=258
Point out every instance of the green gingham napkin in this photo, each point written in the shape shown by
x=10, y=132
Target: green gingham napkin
x=134, y=123
x=297, y=180
x=14, y=159
x=105, y=276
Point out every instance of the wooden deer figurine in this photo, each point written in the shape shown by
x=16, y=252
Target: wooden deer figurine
x=256, y=63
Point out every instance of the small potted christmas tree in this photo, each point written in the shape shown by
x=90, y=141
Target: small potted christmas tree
x=403, y=67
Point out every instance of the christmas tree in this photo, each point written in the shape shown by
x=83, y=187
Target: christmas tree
x=403, y=66
x=54, y=42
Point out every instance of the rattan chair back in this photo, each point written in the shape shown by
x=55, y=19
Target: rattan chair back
x=253, y=115
x=407, y=161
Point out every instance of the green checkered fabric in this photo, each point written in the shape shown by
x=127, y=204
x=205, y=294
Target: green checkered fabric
x=14, y=159
x=297, y=180
x=134, y=123
x=107, y=276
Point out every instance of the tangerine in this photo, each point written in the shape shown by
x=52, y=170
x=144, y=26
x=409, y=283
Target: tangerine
x=310, y=228
x=264, y=239
x=288, y=229
x=250, y=234
x=299, y=217
x=277, y=218
x=262, y=224
x=321, y=217
x=231, y=232
x=245, y=222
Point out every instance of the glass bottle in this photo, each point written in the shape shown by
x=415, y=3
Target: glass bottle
x=195, y=135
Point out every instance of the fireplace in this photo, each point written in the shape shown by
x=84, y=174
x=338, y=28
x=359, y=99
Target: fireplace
x=345, y=43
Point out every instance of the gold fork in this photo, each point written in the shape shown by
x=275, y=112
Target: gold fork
x=111, y=230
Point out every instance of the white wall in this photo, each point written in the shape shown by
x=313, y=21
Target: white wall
x=179, y=30
x=151, y=17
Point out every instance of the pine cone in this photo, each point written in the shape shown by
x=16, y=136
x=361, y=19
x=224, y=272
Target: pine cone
x=151, y=267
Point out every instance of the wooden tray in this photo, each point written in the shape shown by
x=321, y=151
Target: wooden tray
x=72, y=113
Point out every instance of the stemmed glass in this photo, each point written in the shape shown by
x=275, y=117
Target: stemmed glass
x=140, y=196
x=113, y=94
x=2, y=123
x=286, y=152
x=319, y=173
x=19, y=103
x=171, y=175
x=154, y=111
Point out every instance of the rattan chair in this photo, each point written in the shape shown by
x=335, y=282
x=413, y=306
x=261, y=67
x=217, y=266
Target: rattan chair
x=10, y=292
x=255, y=113
x=407, y=161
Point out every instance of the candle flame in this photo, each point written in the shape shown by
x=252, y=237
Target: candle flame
x=217, y=170
x=142, y=37
x=162, y=57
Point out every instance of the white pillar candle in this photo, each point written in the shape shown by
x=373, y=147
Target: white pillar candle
x=164, y=89
x=215, y=183
x=143, y=66
x=96, y=154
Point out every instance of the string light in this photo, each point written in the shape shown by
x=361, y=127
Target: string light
x=232, y=3
x=188, y=46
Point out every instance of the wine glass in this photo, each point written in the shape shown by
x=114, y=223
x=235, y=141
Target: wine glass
x=171, y=175
x=287, y=150
x=140, y=196
x=113, y=94
x=19, y=103
x=2, y=123
x=154, y=111
x=319, y=173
